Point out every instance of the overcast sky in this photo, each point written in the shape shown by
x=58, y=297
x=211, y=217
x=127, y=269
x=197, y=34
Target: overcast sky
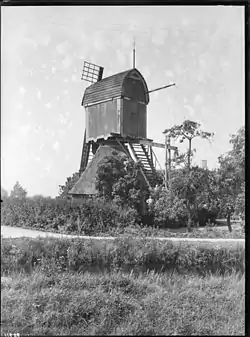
x=201, y=49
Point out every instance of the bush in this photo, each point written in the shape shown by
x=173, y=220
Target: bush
x=119, y=180
x=202, y=215
x=89, y=217
x=127, y=217
x=167, y=211
x=100, y=217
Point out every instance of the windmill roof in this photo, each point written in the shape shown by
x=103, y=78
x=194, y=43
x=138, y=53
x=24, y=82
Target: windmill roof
x=86, y=183
x=109, y=87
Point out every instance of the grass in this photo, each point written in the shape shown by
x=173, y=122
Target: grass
x=238, y=232
x=123, y=287
x=121, y=254
x=123, y=304
x=200, y=232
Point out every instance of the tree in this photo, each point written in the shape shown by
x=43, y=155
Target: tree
x=160, y=175
x=238, y=150
x=167, y=210
x=188, y=130
x=69, y=184
x=240, y=202
x=4, y=194
x=119, y=179
x=198, y=188
x=231, y=175
x=109, y=171
x=18, y=192
x=232, y=168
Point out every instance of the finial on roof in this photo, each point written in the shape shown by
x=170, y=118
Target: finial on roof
x=134, y=53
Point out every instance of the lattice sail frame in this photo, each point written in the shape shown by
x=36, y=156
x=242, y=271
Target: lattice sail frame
x=92, y=72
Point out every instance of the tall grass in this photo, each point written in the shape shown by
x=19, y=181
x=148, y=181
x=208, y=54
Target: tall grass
x=48, y=287
x=121, y=254
x=123, y=304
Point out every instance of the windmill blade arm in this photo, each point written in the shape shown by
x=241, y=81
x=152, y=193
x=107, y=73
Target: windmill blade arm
x=165, y=86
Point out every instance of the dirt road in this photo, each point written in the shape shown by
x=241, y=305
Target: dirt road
x=16, y=232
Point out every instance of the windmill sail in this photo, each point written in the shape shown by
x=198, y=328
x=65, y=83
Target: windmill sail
x=92, y=72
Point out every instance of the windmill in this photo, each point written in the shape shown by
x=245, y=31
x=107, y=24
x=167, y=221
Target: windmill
x=116, y=122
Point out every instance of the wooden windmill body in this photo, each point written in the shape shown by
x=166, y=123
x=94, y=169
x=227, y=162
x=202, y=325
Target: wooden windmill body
x=116, y=124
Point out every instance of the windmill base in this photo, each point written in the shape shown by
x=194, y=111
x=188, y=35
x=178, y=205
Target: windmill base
x=85, y=186
x=86, y=183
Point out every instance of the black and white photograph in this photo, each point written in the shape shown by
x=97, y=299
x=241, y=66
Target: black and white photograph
x=123, y=170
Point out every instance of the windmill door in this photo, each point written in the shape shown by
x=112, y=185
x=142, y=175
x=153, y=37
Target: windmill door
x=133, y=119
x=130, y=118
x=142, y=120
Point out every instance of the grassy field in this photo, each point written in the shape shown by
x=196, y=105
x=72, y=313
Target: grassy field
x=123, y=304
x=123, y=287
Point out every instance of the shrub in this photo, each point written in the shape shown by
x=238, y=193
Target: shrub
x=102, y=217
x=119, y=179
x=167, y=211
x=91, y=216
x=127, y=217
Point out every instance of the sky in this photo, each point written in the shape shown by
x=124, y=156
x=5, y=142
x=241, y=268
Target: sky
x=43, y=49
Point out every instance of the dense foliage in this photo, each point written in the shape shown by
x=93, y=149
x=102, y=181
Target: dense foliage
x=187, y=201
x=201, y=195
x=98, y=217
x=119, y=180
x=240, y=202
x=88, y=217
x=167, y=210
x=120, y=254
x=231, y=173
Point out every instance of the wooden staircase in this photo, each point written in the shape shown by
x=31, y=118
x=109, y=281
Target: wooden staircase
x=141, y=154
x=137, y=151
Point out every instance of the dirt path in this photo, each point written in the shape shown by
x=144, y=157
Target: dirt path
x=16, y=232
